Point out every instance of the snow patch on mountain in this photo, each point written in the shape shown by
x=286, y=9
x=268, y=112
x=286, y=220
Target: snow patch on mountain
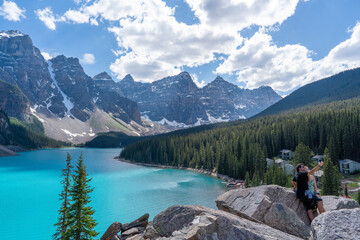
x=33, y=112
x=239, y=106
x=72, y=135
x=215, y=120
x=164, y=121
x=10, y=34
x=68, y=104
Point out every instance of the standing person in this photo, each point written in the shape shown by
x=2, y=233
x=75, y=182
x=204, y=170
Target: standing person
x=302, y=179
x=315, y=191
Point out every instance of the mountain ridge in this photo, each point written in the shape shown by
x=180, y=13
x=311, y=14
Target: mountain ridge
x=341, y=86
x=62, y=95
x=195, y=106
x=73, y=106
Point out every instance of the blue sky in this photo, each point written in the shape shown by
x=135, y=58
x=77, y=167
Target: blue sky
x=281, y=43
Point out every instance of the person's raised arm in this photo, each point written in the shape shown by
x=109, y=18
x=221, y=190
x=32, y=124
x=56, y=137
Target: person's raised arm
x=315, y=169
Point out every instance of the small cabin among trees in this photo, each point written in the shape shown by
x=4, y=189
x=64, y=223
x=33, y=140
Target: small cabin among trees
x=286, y=154
x=318, y=158
x=348, y=166
x=288, y=168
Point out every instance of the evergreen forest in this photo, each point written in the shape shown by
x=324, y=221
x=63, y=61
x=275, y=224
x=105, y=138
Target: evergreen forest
x=241, y=148
x=26, y=135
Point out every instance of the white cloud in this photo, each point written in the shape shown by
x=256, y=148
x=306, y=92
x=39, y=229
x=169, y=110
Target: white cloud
x=94, y=22
x=153, y=44
x=81, y=1
x=342, y=57
x=47, y=16
x=11, y=11
x=238, y=14
x=196, y=81
x=88, y=58
x=76, y=16
x=46, y=55
x=260, y=62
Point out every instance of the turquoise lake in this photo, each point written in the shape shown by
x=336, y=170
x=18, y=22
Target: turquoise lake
x=30, y=185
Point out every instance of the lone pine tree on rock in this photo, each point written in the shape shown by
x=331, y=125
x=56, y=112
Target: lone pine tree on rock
x=81, y=222
x=62, y=224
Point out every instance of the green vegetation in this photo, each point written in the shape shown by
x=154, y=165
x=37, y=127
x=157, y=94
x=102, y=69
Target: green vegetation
x=11, y=88
x=36, y=126
x=331, y=184
x=302, y=154
x=63, y=219
x=121, y=125
x=81, y=223
x=275, y=175
x=354, y=184
x=26, y=135
x=75, y=216
x=346, y=192
x=240, y=147
x=111, y=140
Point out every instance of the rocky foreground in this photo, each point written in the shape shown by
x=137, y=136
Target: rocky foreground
x=265, y=212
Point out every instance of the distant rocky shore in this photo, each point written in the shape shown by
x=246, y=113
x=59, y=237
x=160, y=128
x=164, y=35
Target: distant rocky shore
x=10, y=150
x=265, y=212
x=202, y=171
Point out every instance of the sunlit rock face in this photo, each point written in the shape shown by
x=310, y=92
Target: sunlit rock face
x=177, y=100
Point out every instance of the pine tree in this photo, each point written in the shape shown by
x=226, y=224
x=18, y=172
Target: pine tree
x=331, y=184
x=346, y=193
x=62, y=224
x=255, y=180
x=302, y=154
x=81, y=222
x=247, y=180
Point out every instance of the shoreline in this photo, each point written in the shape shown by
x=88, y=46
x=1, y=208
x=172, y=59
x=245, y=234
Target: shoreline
x=202, y=171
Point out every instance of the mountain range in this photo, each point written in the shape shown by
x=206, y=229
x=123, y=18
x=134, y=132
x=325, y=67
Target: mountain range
x=73, y=106
x=178, y=101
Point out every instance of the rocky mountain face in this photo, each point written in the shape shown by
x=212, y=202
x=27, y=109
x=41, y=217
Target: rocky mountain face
x=105, y=82
x=73, y=106
x=178, y=101
x=4, y=127
x=22, y=65
x=60, y=94
x=14, y=102
x=84, y=94
x=226, y=101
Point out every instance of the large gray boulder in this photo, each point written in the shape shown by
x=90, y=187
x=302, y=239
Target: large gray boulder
x=112, y=231
x=342, y=224
x=336, y=203
x=285, y=219
x=254, y=203
x=128, y=230
x=277, y=207
x=197, y=222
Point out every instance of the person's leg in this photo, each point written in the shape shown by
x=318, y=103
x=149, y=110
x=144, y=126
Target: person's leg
x=320, y=206
x=309, y=208
x=310, y=214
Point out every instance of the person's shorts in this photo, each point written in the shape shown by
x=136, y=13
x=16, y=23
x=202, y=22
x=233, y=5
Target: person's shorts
x=308, y=203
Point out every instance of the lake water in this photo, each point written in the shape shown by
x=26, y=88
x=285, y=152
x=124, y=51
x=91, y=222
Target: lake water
x=30, y=184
